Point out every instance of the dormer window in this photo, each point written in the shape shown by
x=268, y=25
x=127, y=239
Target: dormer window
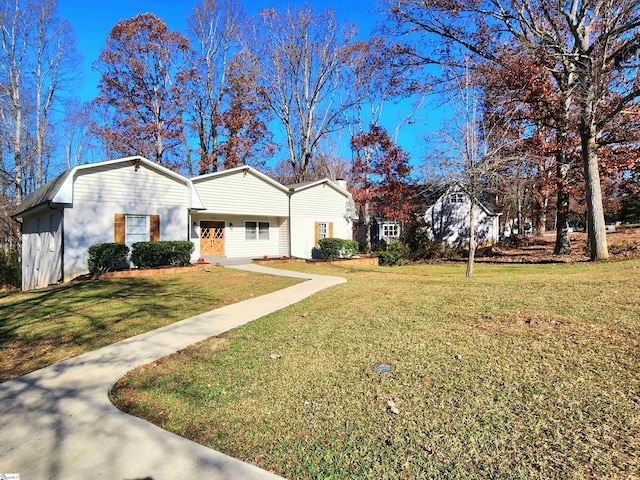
x=456, y=197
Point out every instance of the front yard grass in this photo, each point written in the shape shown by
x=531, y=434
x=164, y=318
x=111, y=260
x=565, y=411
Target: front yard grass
x=525, y=371
x=46, y=326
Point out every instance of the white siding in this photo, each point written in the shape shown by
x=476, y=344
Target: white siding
x=242, y=193
x=41, y=249
x=449, y=222
x=321, y=203
x=102, y=192
x=128, y=185
x=283, y=246
x=236, y=245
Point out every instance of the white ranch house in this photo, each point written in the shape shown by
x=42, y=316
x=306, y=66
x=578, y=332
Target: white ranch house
x=235, y=213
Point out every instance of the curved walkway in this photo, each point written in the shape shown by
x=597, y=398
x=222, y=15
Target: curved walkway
x=58, y=423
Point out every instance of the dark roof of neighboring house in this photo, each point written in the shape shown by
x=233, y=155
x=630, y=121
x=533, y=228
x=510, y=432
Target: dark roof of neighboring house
x=488, y=200
x=295, y=186
x=42, y=195
x=430, y=192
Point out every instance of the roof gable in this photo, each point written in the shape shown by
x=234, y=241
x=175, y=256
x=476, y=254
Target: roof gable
x=484, y=200
x=60, y=189
x=244, y=169
x=297, y=187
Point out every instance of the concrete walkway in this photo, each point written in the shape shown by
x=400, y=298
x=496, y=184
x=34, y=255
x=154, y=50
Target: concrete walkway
x=58, y=423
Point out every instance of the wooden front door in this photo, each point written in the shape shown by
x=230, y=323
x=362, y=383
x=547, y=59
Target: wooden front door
x=212, y=239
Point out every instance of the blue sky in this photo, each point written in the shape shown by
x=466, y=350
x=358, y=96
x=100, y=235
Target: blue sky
x=92, y=21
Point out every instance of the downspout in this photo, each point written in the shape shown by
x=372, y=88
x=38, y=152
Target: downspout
x=290, y=194
x=62, y=246
x=188, y=224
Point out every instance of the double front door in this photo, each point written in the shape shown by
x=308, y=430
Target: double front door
x=211, y=239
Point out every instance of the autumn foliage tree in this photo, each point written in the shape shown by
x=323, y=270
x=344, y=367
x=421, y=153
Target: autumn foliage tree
x=247, y=139
x=143, y=71
x=380, y=178
x=522, y=89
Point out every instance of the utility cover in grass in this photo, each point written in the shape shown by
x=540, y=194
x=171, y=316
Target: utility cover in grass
x=381, y=367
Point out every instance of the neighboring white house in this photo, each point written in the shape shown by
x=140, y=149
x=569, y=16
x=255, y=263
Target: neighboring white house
x=448, y=218
x=234, y=213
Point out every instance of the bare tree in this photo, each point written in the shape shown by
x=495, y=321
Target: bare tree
x=53, y=57
x=14, y=35
x=592, y=45
x=328, y=162
x=37, y=55
x=214, y=28
x=299, y=54
x=478, y=151
x=76, y=134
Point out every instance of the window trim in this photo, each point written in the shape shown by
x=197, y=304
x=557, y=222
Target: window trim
x=257, y=230
x=322, y=235
x=147, y=229
x=387, y=226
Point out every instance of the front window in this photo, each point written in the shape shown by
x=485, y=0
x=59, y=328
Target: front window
x=136, y=229
x=256, y=230
x=390, y=230
x=323, y=230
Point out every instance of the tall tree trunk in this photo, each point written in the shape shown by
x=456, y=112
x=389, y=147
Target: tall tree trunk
x=472, y=237
x=541, y=217
x=563, y=244
x=17, y=147
x=39, y=140
x=597, y=230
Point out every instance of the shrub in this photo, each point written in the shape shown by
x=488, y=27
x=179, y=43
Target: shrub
x=154, y=254
x=350, y=248
x=393, y=254
x=422, y=245
x=363, y=246
x=9, y=269
x=106, y=256
x=334, y=248
x=379, y=247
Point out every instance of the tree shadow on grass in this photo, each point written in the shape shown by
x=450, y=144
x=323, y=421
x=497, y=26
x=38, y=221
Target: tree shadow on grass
x=58, y=422
x=40, y=328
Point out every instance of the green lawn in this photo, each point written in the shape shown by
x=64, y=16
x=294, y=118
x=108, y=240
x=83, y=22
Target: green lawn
x=43, y=327
x=525, y=371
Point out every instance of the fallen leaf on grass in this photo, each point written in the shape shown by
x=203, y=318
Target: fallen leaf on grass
x=392, y=407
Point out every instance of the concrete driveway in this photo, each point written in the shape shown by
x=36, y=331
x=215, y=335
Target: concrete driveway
x=58, y=423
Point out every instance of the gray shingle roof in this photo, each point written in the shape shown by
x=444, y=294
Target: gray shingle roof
x=295, y=186
x=42, y=195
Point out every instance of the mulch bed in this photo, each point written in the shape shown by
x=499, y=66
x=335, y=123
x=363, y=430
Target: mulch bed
x=146, y=272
